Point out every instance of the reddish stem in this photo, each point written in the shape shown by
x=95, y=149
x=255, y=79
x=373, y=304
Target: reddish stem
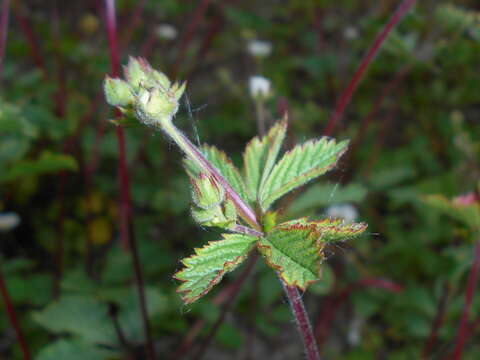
x=31, y=38
x=333, y=303
x=367, y=120
x=225, y=297
x=60, y=99
x=379, y=141
x=463, y=331
x=3, y=32
x=189, y=34
x=437, y=323
x=12, y=315
x=233, y=292
x=346, y=96
x=126, y=218
x=303, y=323
x=133, y=23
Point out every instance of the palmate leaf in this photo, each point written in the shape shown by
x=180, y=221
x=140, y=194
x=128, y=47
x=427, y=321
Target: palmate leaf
x=223, y=164
x=260, y=156
x=209, y=264
x=298, y=166
x=295, y=248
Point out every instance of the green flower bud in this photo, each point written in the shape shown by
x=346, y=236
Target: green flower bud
x=230, y=211
x=117, y=92
x=160, y=79
x=207, y=193
x=137, y=71
x=155, y=105
x=219, y=216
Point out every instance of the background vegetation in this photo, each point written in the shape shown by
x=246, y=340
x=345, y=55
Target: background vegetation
x=396, y=293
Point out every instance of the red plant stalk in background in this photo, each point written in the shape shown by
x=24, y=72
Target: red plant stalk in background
x=12, y=315
x=31, y=37
x=13, y=318
x=3, y=31
x=126, y=218
x=189, y=33
x=346, y=96
x=333, y=303
x=464, y=329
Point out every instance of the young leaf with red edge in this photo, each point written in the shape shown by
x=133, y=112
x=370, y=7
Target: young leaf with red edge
x=207, y=267
x=295, y=248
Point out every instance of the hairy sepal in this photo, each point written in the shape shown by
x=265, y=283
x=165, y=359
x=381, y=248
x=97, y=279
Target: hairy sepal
x=295, y=249
x=207, y=267
x=300, y=165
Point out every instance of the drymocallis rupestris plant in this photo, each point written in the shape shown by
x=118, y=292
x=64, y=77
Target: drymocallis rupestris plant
x=238, y=201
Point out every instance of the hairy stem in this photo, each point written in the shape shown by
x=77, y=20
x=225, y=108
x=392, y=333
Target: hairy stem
x=195, y=154
x=346, y=96
x=303, y=323
x=463, y=331
x=126, y=218
x=247, y=231
x=12, y=315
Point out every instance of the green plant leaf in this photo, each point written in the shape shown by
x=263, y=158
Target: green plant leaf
x=467, y=213
x=320, y=195
x=74, y=349
x=47, y=163
x=300, y=165
x=295, y=248
x=79, y=315
x=223, y=164
x=260, y=156
x=209, y=264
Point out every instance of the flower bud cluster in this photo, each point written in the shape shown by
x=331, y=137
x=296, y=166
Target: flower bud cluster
x=145, y=92
x=210, y=206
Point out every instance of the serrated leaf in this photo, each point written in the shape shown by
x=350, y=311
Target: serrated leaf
x=300, y=165
x=295, y=248
x=223, y=164
x=209, y=264
x=260, y=156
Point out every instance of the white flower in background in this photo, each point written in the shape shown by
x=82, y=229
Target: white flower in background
x=350, y=33
x=355, y=330
x=259, y=48
x=8, y=221
x=166, y=31
x=259, y=87
x=347, y=212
